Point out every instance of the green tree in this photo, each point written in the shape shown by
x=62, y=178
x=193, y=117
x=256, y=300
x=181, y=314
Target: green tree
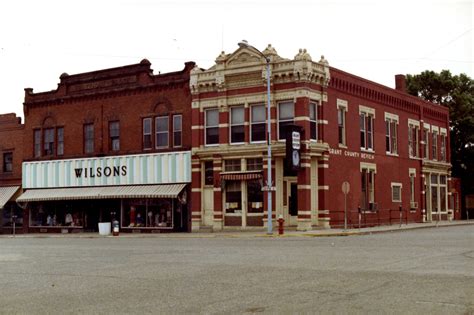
x=457, y=93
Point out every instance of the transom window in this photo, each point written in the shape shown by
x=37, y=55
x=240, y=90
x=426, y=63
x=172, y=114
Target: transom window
x=257, y=126
x=254, y=164
x=286, y=115
x=233, y=165
x=237, y=119
x=212, y=126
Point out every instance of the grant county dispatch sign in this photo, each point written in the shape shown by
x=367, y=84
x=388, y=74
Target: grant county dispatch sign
x=159, y=168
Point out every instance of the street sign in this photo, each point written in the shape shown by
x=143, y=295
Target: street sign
x=346, y=187
x=266, y=188
x=296, y=140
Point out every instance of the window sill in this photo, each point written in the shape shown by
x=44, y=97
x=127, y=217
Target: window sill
x=367, y=150
x=392, y=154
x=342, y=146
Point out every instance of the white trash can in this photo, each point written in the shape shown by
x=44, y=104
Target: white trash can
x=104, y=228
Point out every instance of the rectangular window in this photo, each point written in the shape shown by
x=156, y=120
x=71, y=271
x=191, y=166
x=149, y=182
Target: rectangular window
x=427, y=146
x=254, y=164
x=341, y=123
x=434, y=146
x=413, y=140
x=7, y=162
x=391, y=136
x=233, y=197
x=368, y=192
x=257, y=126
x=48, y=141
x=37, y=142
x=161, y=132
x=177, y=130
x=147, y=145
x=212, y=126
x=286, y=114
x=232, y=165
x=443, y=148
x=114, y=136
x=60, y=149
x=396, y=192
x=366, y=124
x=208, y=173
x=237, y=119
x=88, y=138
x=313, y=120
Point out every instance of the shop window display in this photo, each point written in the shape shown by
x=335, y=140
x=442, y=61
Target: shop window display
x=148, y=213
x=9, y=211
x=55, y=215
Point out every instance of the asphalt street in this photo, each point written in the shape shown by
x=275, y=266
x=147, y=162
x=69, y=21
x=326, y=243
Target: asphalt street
x=427, y=271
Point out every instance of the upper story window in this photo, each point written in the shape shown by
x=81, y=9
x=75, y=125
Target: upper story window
x=391, y=141
x=44, y=141
x=88, y=138
x=161, y=131
x=341, y=121
x=147, y=138
x=257, y=125
x=426, y=137
x=60, y=135
x=237, y=119
x=366, y=123
x=286, y=115
x=7, y=162
x=434, y=145
x=48, y=141
x=443, y=148
x=212, y=126
x=37, y=142
x=114, y=136
x=177, y=130
x=413, y=131
x=254, y=164
x=313, y=120
x=233, y=165
x=412, y=174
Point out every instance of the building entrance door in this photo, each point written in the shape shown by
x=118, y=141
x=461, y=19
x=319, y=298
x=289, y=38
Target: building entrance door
x=290, y=202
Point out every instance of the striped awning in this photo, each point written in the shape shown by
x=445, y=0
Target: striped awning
x=107, y=192
x=241, y=175
x=6, y=193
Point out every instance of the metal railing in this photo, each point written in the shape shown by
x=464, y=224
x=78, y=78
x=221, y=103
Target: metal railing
x=358, y=218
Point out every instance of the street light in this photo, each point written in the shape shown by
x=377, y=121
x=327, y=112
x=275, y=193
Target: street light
x=269, y=188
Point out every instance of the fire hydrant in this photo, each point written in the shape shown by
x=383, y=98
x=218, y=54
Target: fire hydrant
x=280, y=224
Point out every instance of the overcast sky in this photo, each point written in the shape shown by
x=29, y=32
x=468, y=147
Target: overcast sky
x=375, y=39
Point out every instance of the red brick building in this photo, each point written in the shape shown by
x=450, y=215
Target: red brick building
x=391, y=148
x=11, y=156
x=105, y=145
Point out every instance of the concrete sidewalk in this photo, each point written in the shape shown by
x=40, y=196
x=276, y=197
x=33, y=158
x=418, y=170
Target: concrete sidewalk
x=253, y=233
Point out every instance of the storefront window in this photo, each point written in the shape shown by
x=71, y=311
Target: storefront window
x=233, y=197
x=55, y=214
x=232, y=165
x=147, y=213
x=255, y=196
x=11, y=210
